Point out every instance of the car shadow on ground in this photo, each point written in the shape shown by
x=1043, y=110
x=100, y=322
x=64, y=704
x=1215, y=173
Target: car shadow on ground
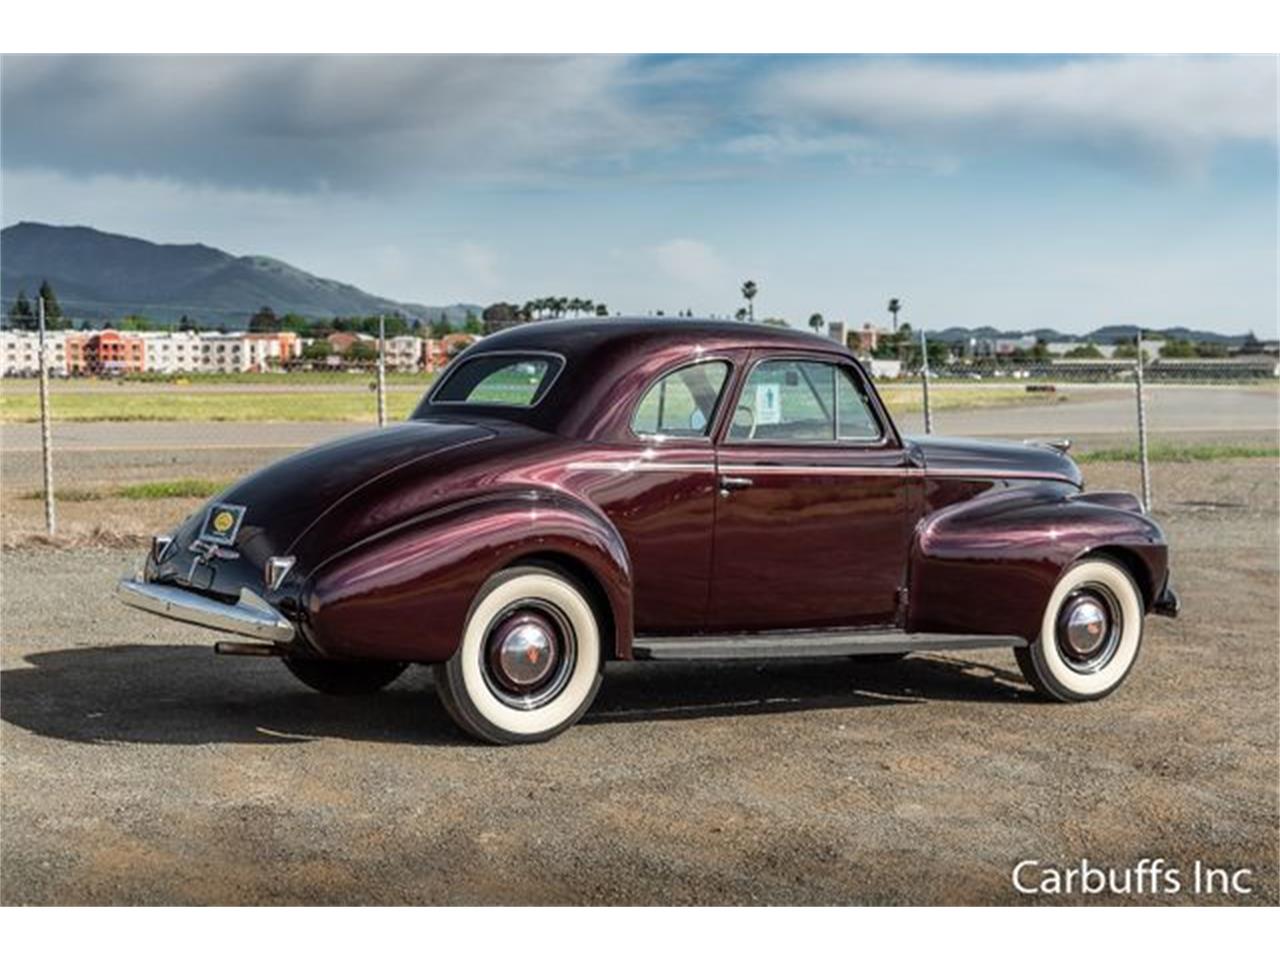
x=637, y=692
x=186, y=695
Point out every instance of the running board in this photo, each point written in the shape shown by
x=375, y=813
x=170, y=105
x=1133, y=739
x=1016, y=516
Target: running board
x=770, y=646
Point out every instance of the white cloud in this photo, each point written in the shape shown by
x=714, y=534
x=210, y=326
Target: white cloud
x=855, y=149
x=693, y=267
x=480, y=267
x=1173, y=110
x=344, y=122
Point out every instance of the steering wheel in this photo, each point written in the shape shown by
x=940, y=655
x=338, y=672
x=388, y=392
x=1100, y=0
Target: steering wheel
x=743, y=408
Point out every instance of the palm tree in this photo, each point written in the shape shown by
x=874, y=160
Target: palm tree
x=816, y=321
x=894, y=306
x=741, y=314
x=602, y=310
x=749, y=291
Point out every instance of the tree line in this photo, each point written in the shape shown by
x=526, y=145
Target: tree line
x=24, y=315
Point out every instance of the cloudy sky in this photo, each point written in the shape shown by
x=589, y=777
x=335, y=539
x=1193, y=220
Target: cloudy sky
x=1014, y=191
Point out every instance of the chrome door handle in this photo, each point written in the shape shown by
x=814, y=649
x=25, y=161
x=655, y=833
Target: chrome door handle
x=729, y=484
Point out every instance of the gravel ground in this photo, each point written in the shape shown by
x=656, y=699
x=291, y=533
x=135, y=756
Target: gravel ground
x=139, y=768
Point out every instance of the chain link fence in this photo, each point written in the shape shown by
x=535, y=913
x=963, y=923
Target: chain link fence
x=113, y=451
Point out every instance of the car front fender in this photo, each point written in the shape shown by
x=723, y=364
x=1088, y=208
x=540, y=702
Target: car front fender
x=989, y=565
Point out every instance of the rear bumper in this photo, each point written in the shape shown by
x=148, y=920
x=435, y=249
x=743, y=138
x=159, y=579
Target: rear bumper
x=1168, y=604
x=251, y=616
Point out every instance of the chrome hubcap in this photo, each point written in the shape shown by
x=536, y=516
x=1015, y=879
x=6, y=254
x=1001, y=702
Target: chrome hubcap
x=525, y=650
x=528, y=654
x=1089, y=628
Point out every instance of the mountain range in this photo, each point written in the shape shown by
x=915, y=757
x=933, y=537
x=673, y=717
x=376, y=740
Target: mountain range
x=99, y=275
x=1112, y=333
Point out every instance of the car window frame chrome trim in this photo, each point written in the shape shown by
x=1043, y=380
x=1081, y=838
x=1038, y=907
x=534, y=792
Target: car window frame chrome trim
x=889, y=438
x=713, y=424
x=452, y=368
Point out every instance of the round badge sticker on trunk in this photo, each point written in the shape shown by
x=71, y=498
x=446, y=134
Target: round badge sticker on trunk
x=222, y=523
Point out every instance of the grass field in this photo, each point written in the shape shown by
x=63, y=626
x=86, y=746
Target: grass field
x=1179, y=453
x=179, y=402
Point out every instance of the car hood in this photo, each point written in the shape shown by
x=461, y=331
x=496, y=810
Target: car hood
x=994, y=458
x=286, y=499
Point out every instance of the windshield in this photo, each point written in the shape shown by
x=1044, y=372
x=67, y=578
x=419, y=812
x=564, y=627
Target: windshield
x=499, y=379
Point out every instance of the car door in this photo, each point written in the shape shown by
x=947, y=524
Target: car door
x=811, y=512
x=659, y=491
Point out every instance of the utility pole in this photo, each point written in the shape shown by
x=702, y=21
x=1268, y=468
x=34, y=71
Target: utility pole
x=382, y=370
x=924, y=379
x=46, y=440
x=1142, y=428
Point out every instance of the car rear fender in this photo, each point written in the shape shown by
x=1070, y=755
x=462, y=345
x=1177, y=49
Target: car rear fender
x=405, y=593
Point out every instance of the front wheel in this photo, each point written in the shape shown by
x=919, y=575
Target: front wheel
x=1090, y=634
x=529, y=663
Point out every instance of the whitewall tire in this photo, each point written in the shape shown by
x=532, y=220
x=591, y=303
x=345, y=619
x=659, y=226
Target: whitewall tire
x=530, y=661
x=1090, y=634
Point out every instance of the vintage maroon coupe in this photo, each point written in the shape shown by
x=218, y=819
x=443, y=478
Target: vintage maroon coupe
x=573, y=492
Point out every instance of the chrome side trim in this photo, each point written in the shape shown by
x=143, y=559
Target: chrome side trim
x=250, y=617
x=638, y=466
x=983, y=473
x=814, y=469
x=815, y=643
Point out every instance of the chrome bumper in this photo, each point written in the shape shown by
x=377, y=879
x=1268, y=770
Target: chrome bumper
x=250, y=617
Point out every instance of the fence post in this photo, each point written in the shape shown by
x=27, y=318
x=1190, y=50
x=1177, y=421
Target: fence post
x=924, y=379
x=1143, y=463
x=382, y=370
x=46, y=438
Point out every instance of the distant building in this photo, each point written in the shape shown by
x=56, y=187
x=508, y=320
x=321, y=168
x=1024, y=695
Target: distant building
x=222, y=353
x=267, y=351
x=864, y=341
x=112, y=352
x=172, y=352
x=20, y=353
x=1004, y=346
x=343, y=342
x=404, y=354
x=105, y=353
x=437, y=352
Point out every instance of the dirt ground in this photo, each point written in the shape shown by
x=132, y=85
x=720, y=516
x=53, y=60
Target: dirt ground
x=140, y=768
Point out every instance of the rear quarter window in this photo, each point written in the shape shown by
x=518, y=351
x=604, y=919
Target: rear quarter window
x=499, y=380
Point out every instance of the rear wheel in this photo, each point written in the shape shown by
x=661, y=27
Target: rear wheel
x=344, y=678
x=529, y=663
x=1090, y=634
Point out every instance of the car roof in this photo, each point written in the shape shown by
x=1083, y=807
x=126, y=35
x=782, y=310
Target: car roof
x=608, y=362
x=573, y=337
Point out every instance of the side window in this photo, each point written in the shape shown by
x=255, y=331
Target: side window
x=682, y=403
x=789, y=400
x=854, y=417
x=802, y=401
